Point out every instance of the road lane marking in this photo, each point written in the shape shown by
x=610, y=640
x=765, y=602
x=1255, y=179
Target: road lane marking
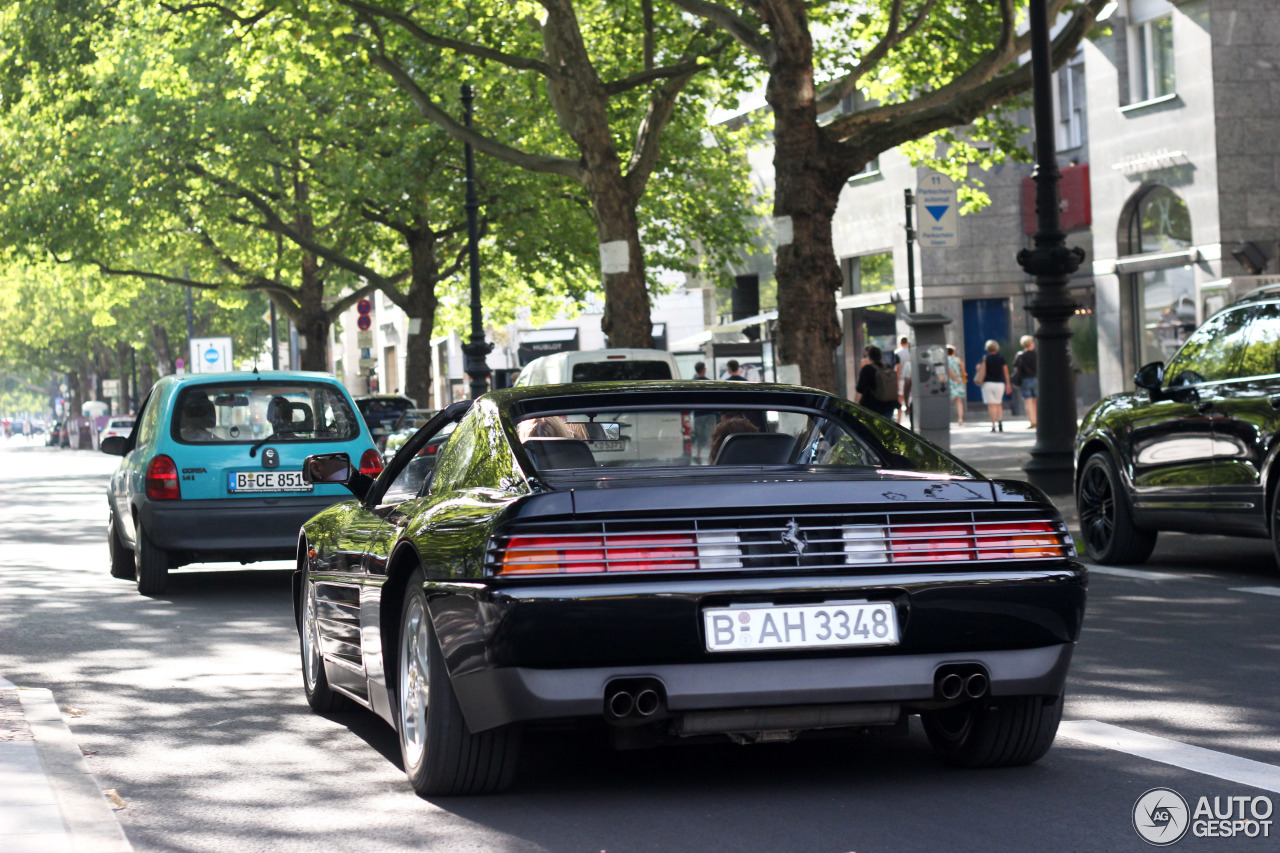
x=1208, y=762
x=1260, y=590
x=1133, y=573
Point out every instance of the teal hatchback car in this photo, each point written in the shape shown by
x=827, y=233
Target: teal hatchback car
x=212, y=470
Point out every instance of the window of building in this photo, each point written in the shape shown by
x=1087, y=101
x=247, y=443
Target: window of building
x=1071, y=104
x=1151, y=71
x=1160, y=223
x=1164, y=299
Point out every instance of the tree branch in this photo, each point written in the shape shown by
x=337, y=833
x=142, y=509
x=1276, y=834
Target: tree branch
x=834, y=92
x=409, y=25
x=532, y=162
x=743, y=31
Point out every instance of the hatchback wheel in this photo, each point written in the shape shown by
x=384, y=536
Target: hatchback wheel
x=122, y=559
x=1105, y=524
x=441, y=755
x=320, y=696
x=151, y=565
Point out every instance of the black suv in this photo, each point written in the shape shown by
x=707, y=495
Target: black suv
x=1194, y=448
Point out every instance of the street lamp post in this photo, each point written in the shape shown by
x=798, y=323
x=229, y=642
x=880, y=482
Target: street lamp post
x=1051, y=466
x=474, y=352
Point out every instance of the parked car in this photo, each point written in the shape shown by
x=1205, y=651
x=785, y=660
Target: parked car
x=406, y=425
x=831, y=573
x=380, y=412
x=1194, y=448
x=58, y=436
x=214, y=470
x=116, y=426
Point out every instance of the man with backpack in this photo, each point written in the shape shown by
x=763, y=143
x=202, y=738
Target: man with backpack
x=877, y=386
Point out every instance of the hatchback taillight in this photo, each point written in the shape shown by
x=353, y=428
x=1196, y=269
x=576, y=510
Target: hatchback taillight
x=371, y=463
x=162, y=480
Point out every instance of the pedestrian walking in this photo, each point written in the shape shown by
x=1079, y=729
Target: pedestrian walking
x=902, y=366
x=993, y=378
x=877, y=384
x=1024, y=376
x=957, y=379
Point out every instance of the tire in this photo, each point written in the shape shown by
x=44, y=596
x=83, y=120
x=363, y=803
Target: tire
x=151, y=565
x=122, y=560
x=1005, y=732
x=441, y=755
x=1106, y=525
x=320, y=696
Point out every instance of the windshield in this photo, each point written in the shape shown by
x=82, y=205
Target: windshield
x=620, y=370
x=252, y=411
x=692, y=437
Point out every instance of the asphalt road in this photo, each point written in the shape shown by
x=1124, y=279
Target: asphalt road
x=190, y=705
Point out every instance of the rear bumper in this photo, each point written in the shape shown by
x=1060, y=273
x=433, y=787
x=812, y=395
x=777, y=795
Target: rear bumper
x=243, y=529
x=506, y=695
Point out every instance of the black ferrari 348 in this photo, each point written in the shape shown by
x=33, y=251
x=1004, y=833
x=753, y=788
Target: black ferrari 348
x=681, y=561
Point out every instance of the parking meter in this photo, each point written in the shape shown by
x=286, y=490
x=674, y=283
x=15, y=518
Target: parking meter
x=930, y=392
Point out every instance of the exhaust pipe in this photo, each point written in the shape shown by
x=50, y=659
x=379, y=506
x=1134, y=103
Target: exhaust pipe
x=950, y=686
x=647, y=702
x=975, y=685
x=620, y=704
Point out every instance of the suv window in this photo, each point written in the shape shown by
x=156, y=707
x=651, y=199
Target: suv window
x=1262, y=354
x=616, y=371
x=229, y=413
x=1213, y=352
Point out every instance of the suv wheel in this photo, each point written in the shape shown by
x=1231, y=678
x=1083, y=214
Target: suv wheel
x=1105, y=524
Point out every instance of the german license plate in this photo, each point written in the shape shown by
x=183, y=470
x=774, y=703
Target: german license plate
x=805, y=626
x=266, y=481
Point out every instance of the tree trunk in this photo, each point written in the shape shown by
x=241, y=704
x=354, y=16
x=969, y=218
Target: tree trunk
x=582, y=108
x=312, y=318
x=161, y=350
x=807, y=190
x=424, y=274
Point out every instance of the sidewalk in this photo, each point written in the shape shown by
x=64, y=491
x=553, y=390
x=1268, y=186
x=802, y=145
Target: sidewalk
x=51, y=803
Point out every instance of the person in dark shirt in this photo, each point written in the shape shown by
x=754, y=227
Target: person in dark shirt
x=1024, y=364
x=866, y=385
x=995, y=384
x=735, y=371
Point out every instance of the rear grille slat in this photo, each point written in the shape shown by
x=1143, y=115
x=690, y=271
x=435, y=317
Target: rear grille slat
x=811, y=541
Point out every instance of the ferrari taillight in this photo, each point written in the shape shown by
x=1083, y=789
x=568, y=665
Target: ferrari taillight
x=628, y=552
x=1017, y=540
x=162, y=480
x=371, y=463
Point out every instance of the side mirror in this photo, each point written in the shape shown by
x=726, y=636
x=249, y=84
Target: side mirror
x=332, y=468
x=1150, y=377
x=114, y=445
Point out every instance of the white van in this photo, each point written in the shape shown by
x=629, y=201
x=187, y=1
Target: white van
x=666, y=435
x=603, y=365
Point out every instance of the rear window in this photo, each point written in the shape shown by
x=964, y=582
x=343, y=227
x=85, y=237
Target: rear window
x=252, y=411
x=118, y=423
x=380, y=409
x=692, y=437
x=620, y=371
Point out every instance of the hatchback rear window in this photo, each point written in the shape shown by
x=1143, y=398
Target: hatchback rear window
x=620, y=371
x=252, y=411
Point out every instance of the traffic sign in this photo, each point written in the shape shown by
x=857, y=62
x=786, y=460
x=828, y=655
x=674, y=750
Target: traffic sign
x=363, y=322
x=364, y=339
x=364, y=306
x=939, y=213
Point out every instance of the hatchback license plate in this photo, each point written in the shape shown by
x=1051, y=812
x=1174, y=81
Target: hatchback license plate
x=267, y=481
x=806, y=626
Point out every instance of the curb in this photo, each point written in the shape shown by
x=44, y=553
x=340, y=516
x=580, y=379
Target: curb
x=51, y=801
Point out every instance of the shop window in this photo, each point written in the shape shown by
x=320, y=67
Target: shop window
x=1160, y=223
x=872, y=273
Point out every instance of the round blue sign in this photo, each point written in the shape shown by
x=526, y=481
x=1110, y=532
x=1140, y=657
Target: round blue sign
x=211, y=355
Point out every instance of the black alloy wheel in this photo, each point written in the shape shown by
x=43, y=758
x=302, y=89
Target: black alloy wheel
x=1105, y=523
x=990, y=732
x=320, y=696
x=441, y=755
